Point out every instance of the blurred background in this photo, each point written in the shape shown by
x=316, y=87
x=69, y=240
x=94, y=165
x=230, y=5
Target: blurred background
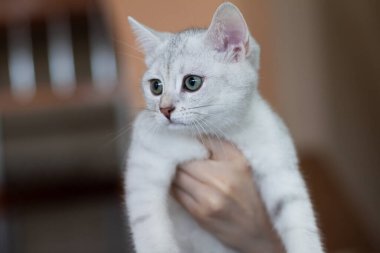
x=69, y=88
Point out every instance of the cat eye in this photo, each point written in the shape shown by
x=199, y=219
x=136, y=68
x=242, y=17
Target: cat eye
x=156, y=87
x=192, y=83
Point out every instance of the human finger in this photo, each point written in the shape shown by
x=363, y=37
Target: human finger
x=209, y=172
x=209, y=200
x=221, y=149
x=185, y=199
x=190, y=185
x=202, y=170
x=224, y=176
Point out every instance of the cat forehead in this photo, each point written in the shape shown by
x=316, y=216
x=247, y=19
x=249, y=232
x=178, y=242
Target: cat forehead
x=184, y=43
x=180, y=52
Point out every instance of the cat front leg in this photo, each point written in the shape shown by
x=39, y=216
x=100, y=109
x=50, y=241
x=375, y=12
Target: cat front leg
x=148, y=183
x=150, y=170
x=273, y=160
x=290, y=209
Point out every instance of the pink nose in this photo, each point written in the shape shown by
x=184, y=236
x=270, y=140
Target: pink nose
x=167, y=111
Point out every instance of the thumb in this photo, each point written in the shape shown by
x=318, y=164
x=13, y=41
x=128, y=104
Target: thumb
x=221, y=149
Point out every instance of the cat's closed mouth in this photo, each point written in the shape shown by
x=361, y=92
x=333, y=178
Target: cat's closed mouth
x=175, y=124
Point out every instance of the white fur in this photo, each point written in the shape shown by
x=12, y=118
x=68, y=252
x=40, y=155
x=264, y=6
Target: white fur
x=227, y=106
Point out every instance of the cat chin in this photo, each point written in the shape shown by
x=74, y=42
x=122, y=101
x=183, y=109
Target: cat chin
x=180, y=128
x=177, y=126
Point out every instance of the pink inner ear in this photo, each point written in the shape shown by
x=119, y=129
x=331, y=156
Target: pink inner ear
x=228, y=30
x=234, y=37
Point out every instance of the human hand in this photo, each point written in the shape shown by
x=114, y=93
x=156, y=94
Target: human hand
x=220, y=194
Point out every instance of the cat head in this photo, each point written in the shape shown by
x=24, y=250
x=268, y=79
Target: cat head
x=200, y=80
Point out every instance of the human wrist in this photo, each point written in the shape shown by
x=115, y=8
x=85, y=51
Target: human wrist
x=263, y=247
x=265, y=243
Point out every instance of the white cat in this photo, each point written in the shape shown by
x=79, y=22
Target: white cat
x=205, y=82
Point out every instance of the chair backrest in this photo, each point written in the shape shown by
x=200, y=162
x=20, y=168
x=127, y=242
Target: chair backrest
x=55, y=57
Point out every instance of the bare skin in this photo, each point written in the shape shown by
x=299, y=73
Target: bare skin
x=220, y=194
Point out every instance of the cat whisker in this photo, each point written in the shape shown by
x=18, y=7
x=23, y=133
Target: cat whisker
x=153, y=127
x=210, y=116
x=229, y=122
x=119, y=133
x=219, y=136
x=206, y=134
x=207, y=129
x=201, y=114
x=124, y=130
x=202, y=106
x=199, y=132
x=193, y=133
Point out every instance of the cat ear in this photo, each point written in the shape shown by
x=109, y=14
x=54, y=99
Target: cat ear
x=228, y=32
x=148, y=38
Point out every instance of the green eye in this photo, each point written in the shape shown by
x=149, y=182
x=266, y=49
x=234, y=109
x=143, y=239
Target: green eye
x=155, y=87
x=192, y=83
